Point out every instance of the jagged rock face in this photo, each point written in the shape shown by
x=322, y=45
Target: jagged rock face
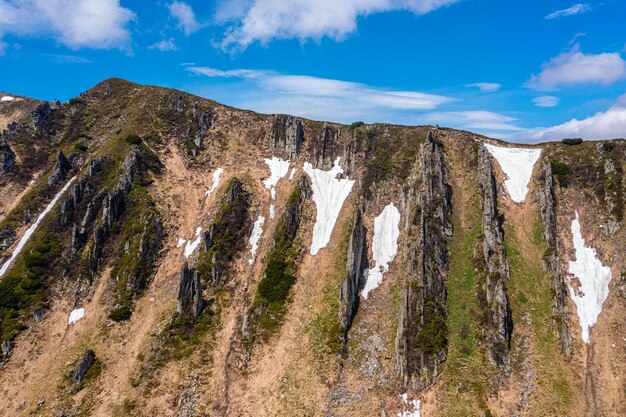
x=421, y=343
x=40, y=114
x=189, y=293
x=499, y=316
x=287, y=134
x=357, y=262
x=552, y=262
x=7, y=156
x=6, y=347
x=7, y=237
x=327, y=152
x=60, y=170
x=83, y=365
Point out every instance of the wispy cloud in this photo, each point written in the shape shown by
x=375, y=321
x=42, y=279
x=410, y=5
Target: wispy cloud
x=98, y=24
x=185, y=16
x=249, y=21
x=487, y=122
x=318, y=98
x=546, y=101
x=164, y=45
x=486, y=87
x=575, y=67
x=578, y=8
x=68, y=59
x=609, y=124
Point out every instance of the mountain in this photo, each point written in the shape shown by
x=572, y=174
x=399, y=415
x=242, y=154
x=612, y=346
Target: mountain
x=163, y=254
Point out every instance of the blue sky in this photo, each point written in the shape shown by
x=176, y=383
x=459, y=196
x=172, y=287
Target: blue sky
x=520, y=70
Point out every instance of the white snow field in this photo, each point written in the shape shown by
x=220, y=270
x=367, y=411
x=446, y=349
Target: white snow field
x=29, y=232
x=278, y=169
x=293, y=173
x=191, y=245
x=216, y=181
x=272, y=211
x=76, y=315
x=7, y=98
x=517, y=164
x=384, y=246
x=181, y=242
x=329, y=193
x=407, y=405
x=257, y=231
x=594, y=282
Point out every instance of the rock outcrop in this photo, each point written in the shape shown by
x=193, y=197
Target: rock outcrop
x=40, y=114
x=499, y=320
x=59, y=171
x=83, y=366
x=357, y=262
x=421, y=344
x=190, y=300
x=326, y=150
x=287, y=134
x=7, y=156
x=552, y=261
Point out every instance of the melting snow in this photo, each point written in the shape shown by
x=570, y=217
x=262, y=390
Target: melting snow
x=293, y=173
x=32, y=228
x=76, y=315
x=278, y=170
x=216, y=181
x=191, y=245
x=407, y=405
x=384, y=246
x=517, y=164
x=272, y=211
x=594, y=282
x=329, y=193
x=181, y=242
x=257, y=230
x=7, y=98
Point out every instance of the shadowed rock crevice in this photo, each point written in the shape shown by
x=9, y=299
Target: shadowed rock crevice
x=421, y=343
x=287, y=134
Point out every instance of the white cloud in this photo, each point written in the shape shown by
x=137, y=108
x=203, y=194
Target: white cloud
x=575, y=67
x=264, y=20
x=99, y=24
x=609, y=124
x=304, y=86
x=165, y=45
x=578, y=8
x=312, y=97
x=546, y=101
x=486, y=87
x=488, y=122
x=186, y=18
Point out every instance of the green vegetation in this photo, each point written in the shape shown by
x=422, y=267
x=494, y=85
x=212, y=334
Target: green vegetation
x=231, y=225
x=80, y=147
x=132, y=139
x=529, y=282
x=280, y=270
x=560, y=171
x=432, y=336
x=572, y=141
x=22, y=289
x=357, y=124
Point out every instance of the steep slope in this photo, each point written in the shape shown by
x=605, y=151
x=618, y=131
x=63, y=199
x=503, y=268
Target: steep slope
x=186, y=258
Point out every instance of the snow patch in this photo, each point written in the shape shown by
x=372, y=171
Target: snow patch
x=33, y=227
x=384, y=246
x=329, y=193
x=594, y=281
x=76, y=315
x=216, y=181
x=293, y=173
x=278, y=169
x=190, y=245
x=272, y=211
x=517, y=164
x=407, y=405
x=257, y=230
x=7, y=98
